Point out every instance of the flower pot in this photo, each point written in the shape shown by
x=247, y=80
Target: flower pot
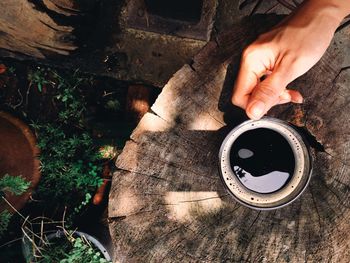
x=18, y=157
x=27, y=248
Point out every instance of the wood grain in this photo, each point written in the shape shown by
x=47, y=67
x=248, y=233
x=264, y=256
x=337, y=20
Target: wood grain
x=167, y=203
x=27, y=29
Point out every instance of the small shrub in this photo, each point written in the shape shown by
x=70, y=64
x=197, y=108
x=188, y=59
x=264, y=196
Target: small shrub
x=70, y=98
x=64, y=246
x=11, y=184
x=68, y=164
x=72, y=249
x=5, y=217
x=38, y=78
x=69, y=160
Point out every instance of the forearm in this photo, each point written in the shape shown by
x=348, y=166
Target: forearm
x=287, y=51
x=319, y=16
x=338, y=9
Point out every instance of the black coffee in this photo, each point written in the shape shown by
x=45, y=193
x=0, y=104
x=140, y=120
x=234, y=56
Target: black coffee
x=263, y=160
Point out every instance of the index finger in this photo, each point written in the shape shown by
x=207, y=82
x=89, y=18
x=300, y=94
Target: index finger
x=250, y=72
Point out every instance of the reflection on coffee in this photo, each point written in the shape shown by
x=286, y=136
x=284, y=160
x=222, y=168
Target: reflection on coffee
x=265, y=164
x=263, y=160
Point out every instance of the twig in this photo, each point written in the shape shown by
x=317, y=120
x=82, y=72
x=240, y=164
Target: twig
x=47, y=223
x=27, y=94
x=35, y=247
x=36, y=235
x=42, y=229
x=64, y=215
x=20, y=103
x=34, y=200
x=13, y=207
x=10, y=242
x=108, y=93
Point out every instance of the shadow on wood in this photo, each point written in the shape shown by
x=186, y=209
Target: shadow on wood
x=167, y=203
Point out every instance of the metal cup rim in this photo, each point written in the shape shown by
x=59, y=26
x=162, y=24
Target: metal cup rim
x=308, y=174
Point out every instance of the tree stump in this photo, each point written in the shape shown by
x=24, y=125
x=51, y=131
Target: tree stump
x=167, y=202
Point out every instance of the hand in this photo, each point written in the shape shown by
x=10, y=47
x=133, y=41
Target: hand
x=286, y=52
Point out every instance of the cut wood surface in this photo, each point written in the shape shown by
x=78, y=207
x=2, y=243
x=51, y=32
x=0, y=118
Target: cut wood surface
x=167, y=202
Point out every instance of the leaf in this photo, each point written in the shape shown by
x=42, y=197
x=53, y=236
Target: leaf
x=40, y=88
x=5, y=218
x=14, y=184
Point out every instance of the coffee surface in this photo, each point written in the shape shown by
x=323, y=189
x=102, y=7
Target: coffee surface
x=263, y=160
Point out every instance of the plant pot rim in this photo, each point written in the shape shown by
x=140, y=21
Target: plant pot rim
x=31, y=139
x=61, y=234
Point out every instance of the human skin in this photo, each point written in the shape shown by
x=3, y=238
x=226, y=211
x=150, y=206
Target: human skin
x=284, y=53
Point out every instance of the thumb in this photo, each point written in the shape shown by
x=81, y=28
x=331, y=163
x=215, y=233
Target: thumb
x=266, y=95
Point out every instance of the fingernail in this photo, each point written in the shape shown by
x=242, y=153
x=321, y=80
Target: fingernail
x=257, y=109
x=300, y=100
x=285, y=96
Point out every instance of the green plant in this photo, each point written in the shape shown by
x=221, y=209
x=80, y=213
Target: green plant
x=44, y=245
x=5, y=217
x=69, y=94
x=112, y=105
x=68, y=164
x=15, y=185
x=11, y=70
x=71, y=249
x=38, y=77
x=83, y=203
x=69, y=160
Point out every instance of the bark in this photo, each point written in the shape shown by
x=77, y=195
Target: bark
x=27, y=29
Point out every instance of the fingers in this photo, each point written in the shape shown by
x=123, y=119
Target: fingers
x=256, y=96
x=251, y=70
x=295, y=96
x=290, y=96
x=267, y=94
x=285, y=97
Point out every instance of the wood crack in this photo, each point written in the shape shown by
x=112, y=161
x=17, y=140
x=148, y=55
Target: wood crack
x=309, y=227
x=316, y=209
x=199, y=200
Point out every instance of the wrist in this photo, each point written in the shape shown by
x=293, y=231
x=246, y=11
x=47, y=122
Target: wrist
x=336, y=10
